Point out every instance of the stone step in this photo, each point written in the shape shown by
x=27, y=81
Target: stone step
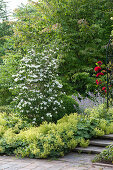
x=110, y=136
x=101, y=142
x=89, y=149
x=97, y=145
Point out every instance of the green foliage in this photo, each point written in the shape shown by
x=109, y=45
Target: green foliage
x=84, y=34
x=100, y=112
x=112, y=25
x=10, y=120
x=41, y=142
x=5, y=109
x=10, y=124
x=5, y=96
x=7, y=69
x=5, y=31
x=78, y=33
x=70, y=105
x=99, y=132
x=105, y=156
x=84, y=143
x=80, y=29
x=50, y=139
x=4, y=28
x=3, y=12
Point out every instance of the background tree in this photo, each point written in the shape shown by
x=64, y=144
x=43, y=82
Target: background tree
x=6, y=64
x=79, y=29
x=3, y=27
x=3, y=11
x=112, y=29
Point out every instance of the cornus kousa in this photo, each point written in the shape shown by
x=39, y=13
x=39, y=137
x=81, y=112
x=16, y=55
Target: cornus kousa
x=37, y=87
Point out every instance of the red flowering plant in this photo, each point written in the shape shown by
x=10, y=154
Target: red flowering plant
x=101, y=82
x=100, y=72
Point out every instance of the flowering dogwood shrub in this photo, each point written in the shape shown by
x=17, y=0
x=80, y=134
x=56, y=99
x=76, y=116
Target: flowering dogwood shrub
x=38, y=89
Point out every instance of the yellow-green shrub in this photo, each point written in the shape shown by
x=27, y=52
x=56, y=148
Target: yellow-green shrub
x=109, y=128
x=2, y=130
x=99, y=132
x=105, y=156
x=100, y=112
x=102, y=124
x=84, y=143
x=50, y=139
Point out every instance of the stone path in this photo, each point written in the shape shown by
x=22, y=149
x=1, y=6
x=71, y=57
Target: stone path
x=72, y=161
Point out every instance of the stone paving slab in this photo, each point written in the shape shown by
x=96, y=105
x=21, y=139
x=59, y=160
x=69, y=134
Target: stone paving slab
x=90, y=149
x=110, y=136
x=101, y=142
x=72, y=161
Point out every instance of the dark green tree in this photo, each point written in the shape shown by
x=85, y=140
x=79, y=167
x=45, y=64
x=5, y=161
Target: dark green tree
x=4, y=27
x=3, y=11
x=80, y=30
x=6, y=65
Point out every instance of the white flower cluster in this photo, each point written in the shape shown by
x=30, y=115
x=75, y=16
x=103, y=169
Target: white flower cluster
x=37, y=85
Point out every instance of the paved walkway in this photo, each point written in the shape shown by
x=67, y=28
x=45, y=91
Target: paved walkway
x=72, y=161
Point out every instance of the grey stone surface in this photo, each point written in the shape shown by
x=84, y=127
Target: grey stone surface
x=110, y=136
x=90, y=149
x=101, y=142
x=97, y=145
x=72, y=161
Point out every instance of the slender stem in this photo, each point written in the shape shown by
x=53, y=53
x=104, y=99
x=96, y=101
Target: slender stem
x=107, y=55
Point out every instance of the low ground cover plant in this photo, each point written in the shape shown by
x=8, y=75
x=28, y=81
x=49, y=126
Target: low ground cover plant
x=50, y=139
x=105, y=156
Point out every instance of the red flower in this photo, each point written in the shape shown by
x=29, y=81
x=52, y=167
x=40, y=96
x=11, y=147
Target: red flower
x=103, y=88
x=97, y=68
x=99, y=62
x=99, y=74
x=98, y=82
x=105, y=91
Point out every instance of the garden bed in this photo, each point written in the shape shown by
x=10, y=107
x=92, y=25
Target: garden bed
x=50, y=139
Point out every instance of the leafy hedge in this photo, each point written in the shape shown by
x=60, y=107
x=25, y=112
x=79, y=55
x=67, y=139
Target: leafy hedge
x=5, y=109
x=50, y=139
